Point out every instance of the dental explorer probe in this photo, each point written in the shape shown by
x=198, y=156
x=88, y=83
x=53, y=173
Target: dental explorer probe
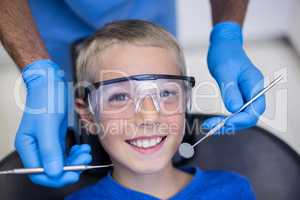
x=186, y=150
x=41, y=170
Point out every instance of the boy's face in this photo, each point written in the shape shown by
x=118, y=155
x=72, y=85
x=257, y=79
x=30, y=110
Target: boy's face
x=126, y=60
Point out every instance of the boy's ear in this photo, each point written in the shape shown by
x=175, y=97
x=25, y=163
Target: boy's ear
x=86, y=117
x=83, y=110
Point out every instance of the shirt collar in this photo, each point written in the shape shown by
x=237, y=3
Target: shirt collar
x=114, y=189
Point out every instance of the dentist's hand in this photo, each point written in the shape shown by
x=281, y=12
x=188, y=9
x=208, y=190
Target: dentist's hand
x=40, y=140
x=238, y=79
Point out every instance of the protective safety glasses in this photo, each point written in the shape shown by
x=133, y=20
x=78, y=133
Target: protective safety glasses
x=122, y=98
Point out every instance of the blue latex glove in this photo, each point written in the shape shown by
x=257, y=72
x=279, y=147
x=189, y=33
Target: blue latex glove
x=40, y=140
x=238, y=79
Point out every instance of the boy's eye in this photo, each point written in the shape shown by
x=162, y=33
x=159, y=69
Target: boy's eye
x=118, y=97
x=168, y=93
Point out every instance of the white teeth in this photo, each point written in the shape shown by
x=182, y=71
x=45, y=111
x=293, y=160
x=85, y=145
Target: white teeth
x=134, y=142
x=146, y=143
x=152, y=142
x=158, y=140
x=139, y=143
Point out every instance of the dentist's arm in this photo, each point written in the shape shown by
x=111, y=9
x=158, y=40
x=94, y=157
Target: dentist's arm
x=228, y=10
x=18, y=33
x=237, y=77
x=40, y=137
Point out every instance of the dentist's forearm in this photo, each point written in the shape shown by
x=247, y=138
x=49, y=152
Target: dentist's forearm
x=18, y=33
x=228, y=10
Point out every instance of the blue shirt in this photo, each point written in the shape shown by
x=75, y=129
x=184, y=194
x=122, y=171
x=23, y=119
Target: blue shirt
x=205, y=185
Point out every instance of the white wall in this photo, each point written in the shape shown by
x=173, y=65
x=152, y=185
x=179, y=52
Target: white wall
x=265, y=19
x=10, y=114
x=294, y=25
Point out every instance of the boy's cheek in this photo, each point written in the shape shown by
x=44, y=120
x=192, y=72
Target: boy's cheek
x=175, y=124
x=113, y=127
x=112, y=144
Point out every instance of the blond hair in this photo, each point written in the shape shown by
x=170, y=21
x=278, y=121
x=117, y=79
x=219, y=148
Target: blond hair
x=124, y=32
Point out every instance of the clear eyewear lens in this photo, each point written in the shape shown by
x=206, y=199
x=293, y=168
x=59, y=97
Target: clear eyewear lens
x=125, y=99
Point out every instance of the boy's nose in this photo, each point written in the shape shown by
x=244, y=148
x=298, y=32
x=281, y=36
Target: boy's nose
x=149, y=105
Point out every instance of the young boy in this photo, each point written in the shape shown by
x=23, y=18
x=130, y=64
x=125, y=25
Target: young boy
x=137, y=103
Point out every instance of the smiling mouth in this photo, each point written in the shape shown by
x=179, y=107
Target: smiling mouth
x=146, y=142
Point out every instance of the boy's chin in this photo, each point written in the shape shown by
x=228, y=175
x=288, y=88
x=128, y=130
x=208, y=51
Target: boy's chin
x=143, y=167
x=149, y=167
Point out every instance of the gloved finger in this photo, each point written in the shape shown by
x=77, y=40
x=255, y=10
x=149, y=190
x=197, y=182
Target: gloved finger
x=78, y=158
x=242, y=120
x=63, y=130
x=81, y=159
x=28, y=151
x=80, y=150
x=67, y=178
x=229, y=128
x=51, y=153
x=231, y=95
x=83, y=148
x=251, y=82
x=27, y=148
x=74, y=148
x=249, y=116
x=210, y=123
